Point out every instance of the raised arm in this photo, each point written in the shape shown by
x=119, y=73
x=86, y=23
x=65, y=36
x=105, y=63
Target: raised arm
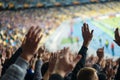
x=38, y=65
x=117, y=40
x=17, y=71
x=87, y=37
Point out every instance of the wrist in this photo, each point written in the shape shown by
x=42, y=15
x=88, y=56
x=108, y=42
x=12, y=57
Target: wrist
x=26, y=57
x=85, y=43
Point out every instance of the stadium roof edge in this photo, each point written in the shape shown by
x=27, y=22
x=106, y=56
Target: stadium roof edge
x=11, y=6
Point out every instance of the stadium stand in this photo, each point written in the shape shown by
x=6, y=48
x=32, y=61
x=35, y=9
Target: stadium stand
x=19, y=41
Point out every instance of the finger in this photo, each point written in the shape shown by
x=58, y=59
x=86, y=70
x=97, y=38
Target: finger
x=92, y=32
x=23, y=42
x=66, y=51
x=29, y=32
x=88, y=28
x=39, y=30
x=85, y=27
x=116, y=30
x=116, y=42
x=84, y=24
x=55, y=56
x=50, y=59
x=59, y=53
x=36, y=28
x=37, y=33
x=39, y=39
x=71, y=58
x=116, y=33
x=34, y=32
x=82, y=29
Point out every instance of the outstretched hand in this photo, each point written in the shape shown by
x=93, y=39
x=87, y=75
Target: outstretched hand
x=65, y=64
x=31, y=43
x=86, y=34
x=117, y=36
x=41, y=51
x=52, y=62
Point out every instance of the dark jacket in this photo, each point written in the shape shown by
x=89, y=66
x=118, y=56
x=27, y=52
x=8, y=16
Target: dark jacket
x=17, y=70
x=11, y=61
x=79, y=65
x=37, y=73
x=117, y=76
x=56, y=77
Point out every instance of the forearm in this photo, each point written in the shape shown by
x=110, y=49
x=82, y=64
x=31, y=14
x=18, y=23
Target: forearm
x=46, y=76
x=83, y=52
x=81, y=63
x=38, y=74
x=11, y=60
x=16, y=71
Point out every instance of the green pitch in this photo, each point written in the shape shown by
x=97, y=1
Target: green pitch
x=108, y=25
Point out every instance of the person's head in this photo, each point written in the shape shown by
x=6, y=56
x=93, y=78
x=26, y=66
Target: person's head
x=100, y=52
x=87, y=73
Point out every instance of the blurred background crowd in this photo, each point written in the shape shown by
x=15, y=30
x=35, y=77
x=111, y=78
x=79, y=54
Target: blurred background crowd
x=14, y=24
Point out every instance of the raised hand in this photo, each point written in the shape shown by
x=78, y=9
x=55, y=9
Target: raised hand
x=40, y=52
x=87, y=34
x=65, y=64
x=31, y=43
x=110, y=73
x=117, y=36
x=52, y=62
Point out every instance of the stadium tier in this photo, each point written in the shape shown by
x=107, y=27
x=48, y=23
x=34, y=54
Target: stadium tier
x=21, y=4
x=103, y=17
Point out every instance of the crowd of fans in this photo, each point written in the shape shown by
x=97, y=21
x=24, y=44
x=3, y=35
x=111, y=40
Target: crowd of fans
x=22, y=58
x=14, y=24
x=34, y=62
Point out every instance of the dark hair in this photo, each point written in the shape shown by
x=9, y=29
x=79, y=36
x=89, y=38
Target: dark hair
x=86, y=73
x=102, y=76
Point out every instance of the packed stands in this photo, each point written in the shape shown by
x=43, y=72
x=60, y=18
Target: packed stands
x=49, y=19
x=21, y=57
